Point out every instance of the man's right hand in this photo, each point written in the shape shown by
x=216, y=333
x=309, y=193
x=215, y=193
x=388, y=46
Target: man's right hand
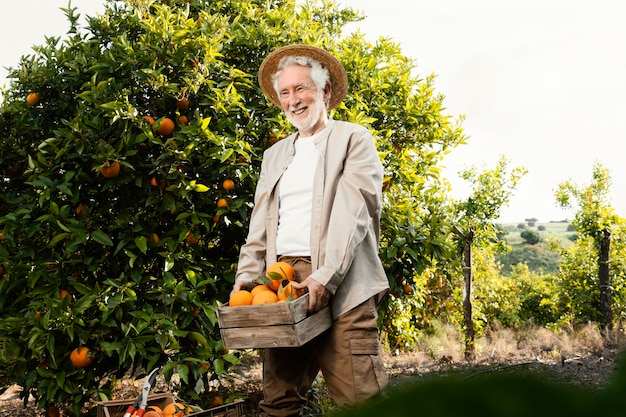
x=239, y=285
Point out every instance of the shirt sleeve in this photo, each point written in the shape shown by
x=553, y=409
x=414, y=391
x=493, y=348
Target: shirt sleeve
x=355, y=209
x=252, y=254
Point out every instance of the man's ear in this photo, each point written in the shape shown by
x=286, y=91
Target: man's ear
x=327, y=93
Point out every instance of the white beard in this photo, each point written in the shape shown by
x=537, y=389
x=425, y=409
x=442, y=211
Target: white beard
x=312, y=117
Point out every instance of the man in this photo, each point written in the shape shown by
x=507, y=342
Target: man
x=317, y=207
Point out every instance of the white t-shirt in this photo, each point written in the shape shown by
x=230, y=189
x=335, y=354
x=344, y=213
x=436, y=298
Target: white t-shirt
x=296, y=199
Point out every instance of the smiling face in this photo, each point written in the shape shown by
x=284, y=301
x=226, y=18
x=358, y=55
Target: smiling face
x=301, y=100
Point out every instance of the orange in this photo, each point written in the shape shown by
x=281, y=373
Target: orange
x=149, y=119
x=278, y=272
x=155, y=238
x=111, y=170
x=182, y=120
x=32, y=99
x=182, y=103
x=53, y=411
x=287, y=292
x=240, y=298
x=65, y=293
x=152, y=413
x=260, y=288
x=222, y=202
x=153, y=182
x=166, y=126
x=265, y=297
x=191, y=239
x=228, y=184
x=216, y=401
x=80, y=357
x=81, y=210
x=407, y=289
x=176, y=410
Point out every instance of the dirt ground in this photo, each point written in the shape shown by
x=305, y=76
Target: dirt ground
x=588, y=369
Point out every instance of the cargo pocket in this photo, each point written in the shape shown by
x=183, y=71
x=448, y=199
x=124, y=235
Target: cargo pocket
x=370, y=376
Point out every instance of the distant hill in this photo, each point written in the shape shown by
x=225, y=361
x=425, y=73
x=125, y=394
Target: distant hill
x=561, y=231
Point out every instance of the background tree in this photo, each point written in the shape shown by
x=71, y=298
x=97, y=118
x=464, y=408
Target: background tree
x=473, y=220
x=128, y=180
x=531, y=237
x=596, y=220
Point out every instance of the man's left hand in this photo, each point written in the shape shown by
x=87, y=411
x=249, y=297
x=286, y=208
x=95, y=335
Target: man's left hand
x=318, y=294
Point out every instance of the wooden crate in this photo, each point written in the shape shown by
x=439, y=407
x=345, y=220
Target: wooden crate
x=117, y=408
x=284, y=324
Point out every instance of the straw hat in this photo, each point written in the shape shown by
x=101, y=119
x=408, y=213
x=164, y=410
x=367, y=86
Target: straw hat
x=338, y=76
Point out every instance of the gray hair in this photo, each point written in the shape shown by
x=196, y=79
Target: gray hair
x=320, y=75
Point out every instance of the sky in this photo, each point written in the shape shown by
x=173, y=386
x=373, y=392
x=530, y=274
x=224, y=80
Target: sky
x=540, y=82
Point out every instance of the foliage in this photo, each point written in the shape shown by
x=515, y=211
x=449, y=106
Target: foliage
x=578, y=291
x=596, y=220
x=538, y=258
x=531, y=237
x=148, y=255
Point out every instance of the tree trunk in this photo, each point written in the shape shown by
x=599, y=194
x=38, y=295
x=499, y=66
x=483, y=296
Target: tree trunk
x=468, y=276
x=604, y=275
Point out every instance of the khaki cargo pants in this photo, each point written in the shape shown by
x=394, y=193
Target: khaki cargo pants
x=347, y=354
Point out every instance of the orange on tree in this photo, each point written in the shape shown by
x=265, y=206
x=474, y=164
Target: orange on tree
x=110, y=170
x=265, y=297
x=176, y=409
x=240, y=298
x=155, y=238
x=81, y=210
x=183, y=120
x=33, y=98
x=165, y=126
x=149, y=119
x=65, y=293
x=191, y=239
x=182, y=103
x=222, y=202
x=278, y=272
x=81, y=357
x=228, y=184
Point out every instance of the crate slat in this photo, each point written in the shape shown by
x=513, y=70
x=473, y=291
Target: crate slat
x=284, y=335
x=263, y=314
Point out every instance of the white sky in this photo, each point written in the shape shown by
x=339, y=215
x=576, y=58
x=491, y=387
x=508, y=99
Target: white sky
x=542, y=82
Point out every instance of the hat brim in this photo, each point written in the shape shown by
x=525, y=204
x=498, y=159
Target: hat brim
x=338, y=75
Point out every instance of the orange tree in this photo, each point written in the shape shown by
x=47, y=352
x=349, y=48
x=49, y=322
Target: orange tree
x=119, y=232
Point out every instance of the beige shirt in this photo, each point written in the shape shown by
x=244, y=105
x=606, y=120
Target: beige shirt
x=345, y=217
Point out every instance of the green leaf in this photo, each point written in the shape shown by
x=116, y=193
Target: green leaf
x=142, y=243
x=56, y=239
x=101, y=237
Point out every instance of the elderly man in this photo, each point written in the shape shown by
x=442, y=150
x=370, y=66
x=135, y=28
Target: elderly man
x=317, y=207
